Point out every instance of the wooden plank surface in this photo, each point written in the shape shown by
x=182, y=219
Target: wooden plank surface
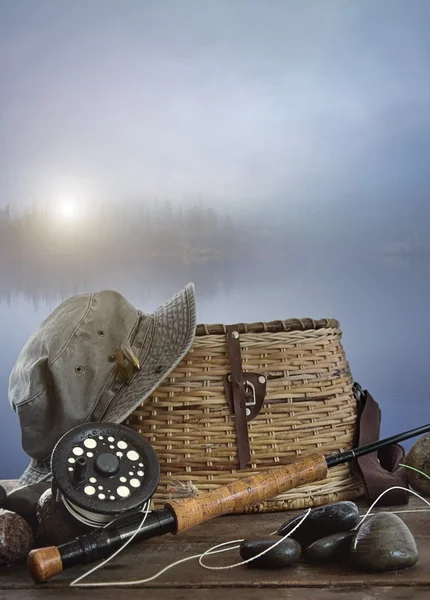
x=302, y=581
x=339, y=593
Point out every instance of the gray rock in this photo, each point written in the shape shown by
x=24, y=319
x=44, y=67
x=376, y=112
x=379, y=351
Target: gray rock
x=322, y=521
x=419, y=458
x=3, y=497
x=284, y=554
x=53, y=528
x=23, y=501
x=332, y=546
x=16, y=538
x=383, y=543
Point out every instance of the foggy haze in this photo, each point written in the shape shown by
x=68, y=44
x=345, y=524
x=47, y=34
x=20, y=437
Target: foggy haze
x=246, y=101
x=290, y=137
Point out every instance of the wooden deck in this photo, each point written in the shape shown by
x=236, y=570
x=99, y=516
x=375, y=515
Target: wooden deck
x=301, y=582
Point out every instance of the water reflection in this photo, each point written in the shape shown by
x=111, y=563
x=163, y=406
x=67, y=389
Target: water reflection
x=380, y=300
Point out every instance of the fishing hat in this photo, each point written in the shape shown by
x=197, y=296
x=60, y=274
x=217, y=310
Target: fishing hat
x=96, y=357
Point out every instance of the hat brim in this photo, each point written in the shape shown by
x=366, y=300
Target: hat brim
x=169, y=334
x=34, y=473
x=173, y=328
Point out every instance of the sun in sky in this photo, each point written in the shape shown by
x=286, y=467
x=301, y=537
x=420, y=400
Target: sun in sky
x=68, y=209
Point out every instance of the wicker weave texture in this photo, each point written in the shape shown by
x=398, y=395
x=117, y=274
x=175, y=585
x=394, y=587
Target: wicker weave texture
x=309, y=406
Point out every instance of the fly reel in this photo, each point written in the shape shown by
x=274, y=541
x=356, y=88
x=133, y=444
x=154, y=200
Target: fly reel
x=101, y=471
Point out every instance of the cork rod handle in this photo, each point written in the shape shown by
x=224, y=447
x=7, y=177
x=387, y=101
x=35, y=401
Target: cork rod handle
x=44, y=563
x=242, y=493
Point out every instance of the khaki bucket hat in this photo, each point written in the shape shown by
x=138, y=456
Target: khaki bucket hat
x=96, y=357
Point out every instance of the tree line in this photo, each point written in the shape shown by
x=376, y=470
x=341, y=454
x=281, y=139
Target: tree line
x=124, y=231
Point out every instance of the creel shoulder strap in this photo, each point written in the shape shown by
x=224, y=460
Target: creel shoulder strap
x=379, y=470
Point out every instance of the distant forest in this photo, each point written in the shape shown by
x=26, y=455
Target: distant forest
x=123, y=232
x=195, y=233
x=44, y=256
x=145, y=246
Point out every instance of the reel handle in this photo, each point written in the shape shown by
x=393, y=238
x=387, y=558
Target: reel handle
x=242, y=493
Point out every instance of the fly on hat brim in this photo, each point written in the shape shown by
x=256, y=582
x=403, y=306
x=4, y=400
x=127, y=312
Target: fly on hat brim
x=169, y=335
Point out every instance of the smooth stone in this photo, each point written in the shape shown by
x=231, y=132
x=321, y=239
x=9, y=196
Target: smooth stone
x=23, y=501
x=16, y=538
x=284, y=554
x=53, y=528
x=322, y=521
x=419, y=458
x=383, y=543
x=329, y=547
x=3, y=497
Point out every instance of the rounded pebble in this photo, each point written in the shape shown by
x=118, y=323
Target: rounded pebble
x=3, y=497
x=53, y=529
x=383, y=543
x=284, y=554
x=16, y=537
x=330, y=547
x=322, y=521
x=418, y=457
x=23, y=501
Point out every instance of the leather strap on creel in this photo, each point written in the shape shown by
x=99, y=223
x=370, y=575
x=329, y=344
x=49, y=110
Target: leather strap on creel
x=238, y=393
x=379, y=470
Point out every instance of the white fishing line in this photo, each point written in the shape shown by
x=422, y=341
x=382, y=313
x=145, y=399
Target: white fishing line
x=85, y=516
x=199, y=556
x=213, y=549
x=144, y=509
x=396, y=487
x=400, y=512
x=244, y=562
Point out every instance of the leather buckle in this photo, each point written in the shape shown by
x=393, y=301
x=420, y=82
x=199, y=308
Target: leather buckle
x=255, y=392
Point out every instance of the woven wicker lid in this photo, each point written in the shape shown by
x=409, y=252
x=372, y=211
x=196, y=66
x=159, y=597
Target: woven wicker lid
x=269, y=326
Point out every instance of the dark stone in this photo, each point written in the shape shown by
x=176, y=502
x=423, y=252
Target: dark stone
x=383, y=543
x=54, y=525
x=3, y=497
x=332, y=546
x=23, y=501
x=16, y=538
x=284, y=554
x=418, y=457
x=322, y=521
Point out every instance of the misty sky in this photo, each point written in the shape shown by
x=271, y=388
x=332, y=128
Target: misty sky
x=229, y=99
x=317, y=112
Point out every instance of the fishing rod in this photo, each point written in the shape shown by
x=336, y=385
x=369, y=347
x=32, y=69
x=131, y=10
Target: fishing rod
x=180, y=515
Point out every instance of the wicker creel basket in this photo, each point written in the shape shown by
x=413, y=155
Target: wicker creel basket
x=250, y=397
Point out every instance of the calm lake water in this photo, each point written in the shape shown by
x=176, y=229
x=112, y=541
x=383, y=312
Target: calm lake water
x=381, y=303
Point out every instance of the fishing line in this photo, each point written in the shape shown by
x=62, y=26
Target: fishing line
x=399, y=512
x=146, y=510
x=91, y=519
x=210, y=551
x=414, y=469
x=215, y=550
x=392, y=512
x=396, y=488
x=244, y=562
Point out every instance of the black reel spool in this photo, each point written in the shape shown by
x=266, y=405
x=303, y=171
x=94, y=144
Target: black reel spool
x=101, y=471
